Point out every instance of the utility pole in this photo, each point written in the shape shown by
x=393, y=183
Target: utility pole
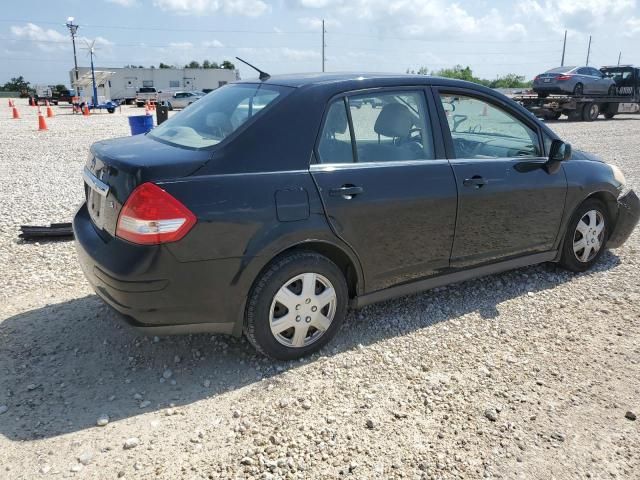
x=323, y=44
x=619, y=57
x=588, y=51
x=564, y=48
x=73, y=29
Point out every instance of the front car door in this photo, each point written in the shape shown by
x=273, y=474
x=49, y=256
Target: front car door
x=508, y=205
x=387, y=188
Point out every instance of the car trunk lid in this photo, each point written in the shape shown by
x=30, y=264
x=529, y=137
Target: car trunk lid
x=116, y=167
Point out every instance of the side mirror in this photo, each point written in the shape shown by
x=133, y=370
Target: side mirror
x=559, y=152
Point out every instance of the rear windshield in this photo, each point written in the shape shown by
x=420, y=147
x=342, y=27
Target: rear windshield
x=147, y=90
x=218, y=114
x=560, y=70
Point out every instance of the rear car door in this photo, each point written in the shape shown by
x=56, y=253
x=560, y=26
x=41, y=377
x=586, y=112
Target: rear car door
x=387, y=188
x=508, y=205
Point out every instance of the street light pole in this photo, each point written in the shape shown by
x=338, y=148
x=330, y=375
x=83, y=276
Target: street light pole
x=73, y=29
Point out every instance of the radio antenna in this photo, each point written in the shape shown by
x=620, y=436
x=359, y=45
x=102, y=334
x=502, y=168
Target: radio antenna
x=263, y=75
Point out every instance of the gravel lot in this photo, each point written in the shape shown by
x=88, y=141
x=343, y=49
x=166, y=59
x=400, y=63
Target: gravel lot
x=527, y=374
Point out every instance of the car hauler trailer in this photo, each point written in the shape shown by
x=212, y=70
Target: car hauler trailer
x=588, y=107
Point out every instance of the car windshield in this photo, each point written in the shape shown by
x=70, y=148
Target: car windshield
x=218, y=114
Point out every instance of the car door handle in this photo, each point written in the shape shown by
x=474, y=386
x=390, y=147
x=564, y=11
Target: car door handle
x=346, y=191
x=476, y=181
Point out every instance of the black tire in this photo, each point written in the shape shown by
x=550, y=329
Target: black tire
x=569, y=258
x=257, y=327
x=552, y=115
x=111, y=110
x=609, y=115
x=590, y=112
x=575, y=115
x=578, y=89
x=169, y=106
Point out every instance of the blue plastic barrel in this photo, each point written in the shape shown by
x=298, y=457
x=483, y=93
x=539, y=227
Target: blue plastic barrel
x=140, y=124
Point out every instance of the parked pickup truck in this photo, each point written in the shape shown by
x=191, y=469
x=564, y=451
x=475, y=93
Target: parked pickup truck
x=146, y=94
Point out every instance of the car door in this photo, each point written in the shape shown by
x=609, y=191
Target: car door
x=508, y=203
x=387, y=189
x=587, y=80
x=600, y=82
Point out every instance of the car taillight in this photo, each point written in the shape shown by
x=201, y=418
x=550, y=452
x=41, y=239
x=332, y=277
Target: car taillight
x=563, y=77
x=151, y=216
x=537, y=78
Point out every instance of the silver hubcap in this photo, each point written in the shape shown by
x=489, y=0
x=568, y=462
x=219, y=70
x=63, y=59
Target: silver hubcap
x=588, y=237
x=302, y=310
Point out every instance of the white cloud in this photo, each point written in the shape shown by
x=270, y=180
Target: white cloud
x=124, y=3
x=45, y=39
x=181, y=45
x=249, y=8
x=212, y=44
x=315, y=23
x=633, y=25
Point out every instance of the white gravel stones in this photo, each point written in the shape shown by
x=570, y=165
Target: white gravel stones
x=131, y=442
x=102, y=420
x=85, y=458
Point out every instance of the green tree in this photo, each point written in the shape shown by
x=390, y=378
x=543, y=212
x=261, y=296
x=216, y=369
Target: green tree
x=206, y=64
x=17, y=84
x=164, y=65
x=60, y=88
x=192, y=64
x=227, y=65
x=510, y=80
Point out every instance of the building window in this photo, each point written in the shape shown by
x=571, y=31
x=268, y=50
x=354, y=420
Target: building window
x=174, y=84
x=147, y=83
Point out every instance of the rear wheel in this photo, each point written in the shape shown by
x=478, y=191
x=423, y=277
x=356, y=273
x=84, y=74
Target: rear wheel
x=590, y=112
x=609, y=115
x=586, y=236
x=578, y=89
x=296, y=306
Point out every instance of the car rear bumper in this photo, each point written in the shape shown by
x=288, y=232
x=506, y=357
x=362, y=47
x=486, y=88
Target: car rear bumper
x=153, y=290
x=628, y=216
x=550, y=89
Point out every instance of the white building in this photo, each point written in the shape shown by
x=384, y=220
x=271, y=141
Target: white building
x=125, y=82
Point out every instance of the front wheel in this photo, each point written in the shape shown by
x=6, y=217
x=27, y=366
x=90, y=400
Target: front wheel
x=296, y=306
x=586, y=236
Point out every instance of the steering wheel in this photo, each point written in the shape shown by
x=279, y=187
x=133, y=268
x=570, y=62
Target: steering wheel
x=458, y=118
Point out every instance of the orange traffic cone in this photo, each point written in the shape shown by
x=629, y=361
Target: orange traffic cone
x=42, y=124
x=49, y=111
x=16, y=113
x=85, y=112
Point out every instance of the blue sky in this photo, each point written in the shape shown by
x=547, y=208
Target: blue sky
x=519, y=36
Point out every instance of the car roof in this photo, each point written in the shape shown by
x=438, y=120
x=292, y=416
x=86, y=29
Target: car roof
x=368, y=80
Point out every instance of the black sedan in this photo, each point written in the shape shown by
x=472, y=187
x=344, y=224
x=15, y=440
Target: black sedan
x=270, y=207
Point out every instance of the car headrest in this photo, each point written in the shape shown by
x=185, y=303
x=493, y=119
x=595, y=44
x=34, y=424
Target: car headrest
x=395, y=120
x=218, y=120
x=336, y=120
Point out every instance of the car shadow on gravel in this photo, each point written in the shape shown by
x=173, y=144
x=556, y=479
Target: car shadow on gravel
x=64, y=365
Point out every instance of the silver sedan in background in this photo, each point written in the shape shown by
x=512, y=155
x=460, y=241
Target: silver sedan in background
x=573, y=81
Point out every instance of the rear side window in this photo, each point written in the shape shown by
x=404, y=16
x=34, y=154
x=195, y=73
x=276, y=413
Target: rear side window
x=335, y=140
x=386, y=127
x=217, y=115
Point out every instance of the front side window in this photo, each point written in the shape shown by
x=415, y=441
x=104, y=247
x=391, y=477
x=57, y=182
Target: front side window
x=217, y=115
x=480, y=130
x=386, y=127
